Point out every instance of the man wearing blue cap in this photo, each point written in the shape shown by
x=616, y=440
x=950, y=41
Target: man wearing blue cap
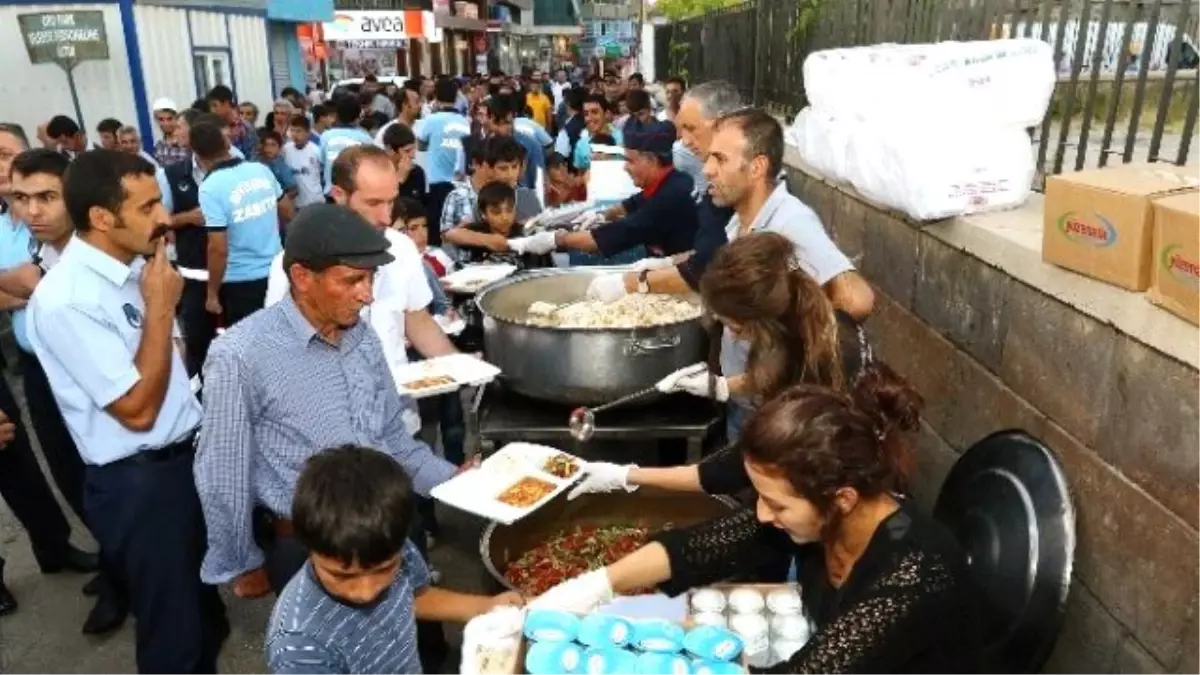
x=662, y=217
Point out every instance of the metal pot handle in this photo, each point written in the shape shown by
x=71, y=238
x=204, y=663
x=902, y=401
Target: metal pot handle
x=647, y=346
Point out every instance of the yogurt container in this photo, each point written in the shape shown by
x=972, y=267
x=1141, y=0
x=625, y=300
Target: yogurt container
x=609, y=661
x=782, y=650
x=604, y=630
x=708, y=601
x=553, y=658
x=710, y=619
x=656, y=663
x=753, y=630
x=784, y=601
x=746, y=601
x=551, y=625
x=713, y=643
x=703, y=667
x=657, y=635
x=791, y=628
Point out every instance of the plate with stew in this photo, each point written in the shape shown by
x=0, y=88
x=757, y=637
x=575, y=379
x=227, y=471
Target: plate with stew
x=511, y=484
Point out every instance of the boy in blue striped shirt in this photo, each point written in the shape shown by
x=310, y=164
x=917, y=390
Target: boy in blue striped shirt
x=353, y=607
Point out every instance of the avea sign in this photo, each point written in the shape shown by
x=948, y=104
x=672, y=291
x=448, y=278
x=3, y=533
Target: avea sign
x=1096, y=231
x=373, y=25
x=1180, y=267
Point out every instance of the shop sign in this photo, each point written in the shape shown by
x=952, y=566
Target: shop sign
x=55, y=37
x=376, y=25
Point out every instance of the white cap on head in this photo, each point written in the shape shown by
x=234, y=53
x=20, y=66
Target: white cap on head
x=165, y=104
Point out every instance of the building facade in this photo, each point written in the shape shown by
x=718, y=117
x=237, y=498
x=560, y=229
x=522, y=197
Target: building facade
x=156, y=48
x=287, y=21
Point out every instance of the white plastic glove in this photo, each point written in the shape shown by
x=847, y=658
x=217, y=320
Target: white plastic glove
x=601, y=477
x=588, y=220
x=537, y=244
x=607, y=288
x=670, y=383
x=696, y=384
x=653, y=264
x=581, y=595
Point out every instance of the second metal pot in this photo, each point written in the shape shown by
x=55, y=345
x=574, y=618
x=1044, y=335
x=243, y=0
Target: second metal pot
x=578, y=366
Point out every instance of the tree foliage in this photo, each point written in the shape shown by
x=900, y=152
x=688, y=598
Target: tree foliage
x=677, y=10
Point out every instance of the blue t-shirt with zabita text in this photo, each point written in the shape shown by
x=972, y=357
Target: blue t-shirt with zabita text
x=442, y=132
x=334, y=141
x=242, y=198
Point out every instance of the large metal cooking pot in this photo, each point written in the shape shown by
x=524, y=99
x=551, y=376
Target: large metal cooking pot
x=649, y=507
x=578, y=366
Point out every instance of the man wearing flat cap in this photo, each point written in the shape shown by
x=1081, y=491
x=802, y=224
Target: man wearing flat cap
x=303, y=374
x=662, y=217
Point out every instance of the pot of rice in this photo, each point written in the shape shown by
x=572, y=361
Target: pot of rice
x=553, y=344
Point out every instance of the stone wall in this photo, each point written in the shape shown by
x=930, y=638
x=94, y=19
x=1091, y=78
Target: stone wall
x=995, y=339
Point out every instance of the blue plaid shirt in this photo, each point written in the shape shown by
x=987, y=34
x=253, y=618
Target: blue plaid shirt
x=275, y=393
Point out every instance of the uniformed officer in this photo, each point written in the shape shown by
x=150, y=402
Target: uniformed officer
x=662, y=217
x=102, y=323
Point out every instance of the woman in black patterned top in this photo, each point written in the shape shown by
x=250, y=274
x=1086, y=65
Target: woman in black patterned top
x=757, y=288
x=885, y=586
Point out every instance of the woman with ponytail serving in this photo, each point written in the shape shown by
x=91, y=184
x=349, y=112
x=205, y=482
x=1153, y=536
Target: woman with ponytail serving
x=885, y=586
x=756, y=289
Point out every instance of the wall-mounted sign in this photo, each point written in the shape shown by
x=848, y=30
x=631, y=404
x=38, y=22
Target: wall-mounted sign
x=55, y=37
x=377, y=25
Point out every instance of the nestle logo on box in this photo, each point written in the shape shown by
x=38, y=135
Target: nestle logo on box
x=1080, y=230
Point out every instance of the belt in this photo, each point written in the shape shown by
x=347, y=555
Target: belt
x=193, y=274
x=184, y=446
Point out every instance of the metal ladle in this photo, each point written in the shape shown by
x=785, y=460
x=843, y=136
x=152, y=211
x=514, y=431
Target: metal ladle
x=583, y=420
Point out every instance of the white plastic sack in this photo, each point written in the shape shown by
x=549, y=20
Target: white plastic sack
x=987, y=82
x=609, y=182
x=933, y=172
x=822, y=143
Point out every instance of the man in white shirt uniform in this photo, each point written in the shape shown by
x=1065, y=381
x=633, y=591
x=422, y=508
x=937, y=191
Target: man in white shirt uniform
x=365, y=180
x=102, y=323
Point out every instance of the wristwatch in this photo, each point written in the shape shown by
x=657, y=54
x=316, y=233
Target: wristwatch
x=643, y=285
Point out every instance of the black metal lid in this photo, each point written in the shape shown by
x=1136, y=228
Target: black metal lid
x=1008, y=502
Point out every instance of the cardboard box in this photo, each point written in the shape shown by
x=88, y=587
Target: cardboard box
x=1100, y=222
x=1175, y=276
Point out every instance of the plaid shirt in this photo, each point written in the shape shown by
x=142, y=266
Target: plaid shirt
x=167, y=154
x=275, y=393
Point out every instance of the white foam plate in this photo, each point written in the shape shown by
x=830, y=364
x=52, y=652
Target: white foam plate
x=473, y=278
x=449, y=327
x=463, y=369
x=475, y=491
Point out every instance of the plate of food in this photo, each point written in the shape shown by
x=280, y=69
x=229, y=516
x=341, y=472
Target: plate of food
x=472, y=278
x=443, y=375
x=542, y=458
x=511, y=484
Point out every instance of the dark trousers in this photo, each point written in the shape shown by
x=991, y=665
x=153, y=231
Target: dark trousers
x=147, y=519
x=285, y=556
x=437, y=200
x=238, y=299
x=62, y=456
x=27, y=493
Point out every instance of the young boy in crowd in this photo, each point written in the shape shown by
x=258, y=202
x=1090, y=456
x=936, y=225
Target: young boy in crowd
x=501, y=159
x=303, y=156
x=486, y=240
x=270, y=154
x=324, y=116
x=438, y=413
x=353, y=607
x=562, y=186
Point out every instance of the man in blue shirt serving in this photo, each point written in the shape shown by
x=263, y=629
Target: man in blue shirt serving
x=441, y=136
x=239, y=201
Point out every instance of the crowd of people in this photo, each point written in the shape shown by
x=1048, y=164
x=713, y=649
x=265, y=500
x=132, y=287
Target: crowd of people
x=209, y=333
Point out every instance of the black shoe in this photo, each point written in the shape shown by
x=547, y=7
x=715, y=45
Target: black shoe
x=73, y=560
x=8, y=604
x=106, y=617
x=92, y=588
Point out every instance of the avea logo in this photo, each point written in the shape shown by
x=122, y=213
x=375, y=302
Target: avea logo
x=1078, y=229
x=343, y=20
x=1184, y=271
